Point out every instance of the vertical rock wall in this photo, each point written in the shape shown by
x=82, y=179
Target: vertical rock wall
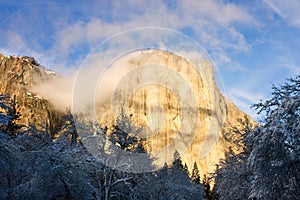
x=18, y=75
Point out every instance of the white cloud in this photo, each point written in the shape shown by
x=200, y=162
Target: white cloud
x=246, y=96
x=220, y=12
x=245, y=99
x=212, y=23
x=295, y=70
x=12, y=40
x=286, y=9
x=58, y=91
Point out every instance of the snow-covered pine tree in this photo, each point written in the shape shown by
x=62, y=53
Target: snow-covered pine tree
x=269, y=165
x=275, y=157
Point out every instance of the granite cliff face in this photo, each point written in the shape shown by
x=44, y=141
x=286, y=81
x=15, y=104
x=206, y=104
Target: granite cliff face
x=157, y=106
x=152, y=105
x=17, y=76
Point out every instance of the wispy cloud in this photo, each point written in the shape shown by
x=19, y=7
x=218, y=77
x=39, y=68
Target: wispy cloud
x=63, y=31
x=245, y=99
x=287, y=9
x=209, y=22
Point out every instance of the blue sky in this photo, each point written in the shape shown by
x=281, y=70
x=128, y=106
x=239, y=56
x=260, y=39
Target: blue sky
x=253, y=43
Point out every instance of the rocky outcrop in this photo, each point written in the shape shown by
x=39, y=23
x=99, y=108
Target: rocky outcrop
x=17, y=76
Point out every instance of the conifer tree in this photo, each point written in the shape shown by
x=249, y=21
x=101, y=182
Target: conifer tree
x=195, y=174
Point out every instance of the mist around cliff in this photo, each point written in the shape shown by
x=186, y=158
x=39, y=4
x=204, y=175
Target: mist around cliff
x=93, y=83
x=59, y=90
x=97, y=83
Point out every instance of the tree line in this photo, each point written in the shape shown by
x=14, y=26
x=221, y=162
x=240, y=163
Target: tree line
x=34, y=165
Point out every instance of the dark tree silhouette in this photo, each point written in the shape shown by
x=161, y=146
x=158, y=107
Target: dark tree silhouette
x=195, y=174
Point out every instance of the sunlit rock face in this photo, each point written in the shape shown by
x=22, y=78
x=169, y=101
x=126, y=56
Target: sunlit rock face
x=178, y=105
x=17, y=76
x=155, y=99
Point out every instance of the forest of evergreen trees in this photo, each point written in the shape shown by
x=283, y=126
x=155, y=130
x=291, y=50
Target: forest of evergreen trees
x=35, y=165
